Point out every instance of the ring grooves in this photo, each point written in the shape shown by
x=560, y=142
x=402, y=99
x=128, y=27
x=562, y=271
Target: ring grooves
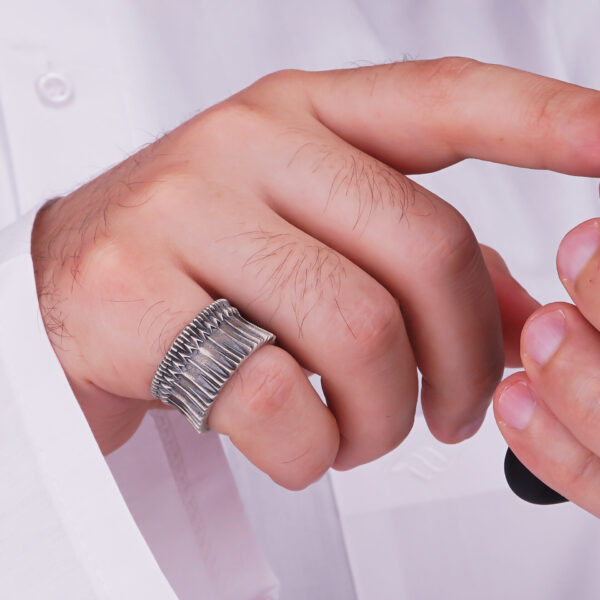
x=202, y=359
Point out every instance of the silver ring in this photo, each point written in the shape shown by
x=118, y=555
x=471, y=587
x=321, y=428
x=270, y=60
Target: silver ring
x=202, y=359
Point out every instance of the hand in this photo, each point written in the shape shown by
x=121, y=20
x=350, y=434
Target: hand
x=550, y=414
x=290, y=199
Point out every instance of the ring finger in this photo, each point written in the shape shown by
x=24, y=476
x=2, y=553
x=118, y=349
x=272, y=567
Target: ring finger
x=328, y=313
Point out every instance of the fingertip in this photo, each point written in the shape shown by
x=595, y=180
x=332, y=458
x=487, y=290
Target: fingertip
x=470, y=429
x=353, y=453
x=516, y=379
x=512, y=378
x=515, y=309
x=272, y=413
x=547, y=340
x=455, y=434
x=514, y=301
x=343, y=464
x=308, y=467
x=577, y=249
x=452, y=422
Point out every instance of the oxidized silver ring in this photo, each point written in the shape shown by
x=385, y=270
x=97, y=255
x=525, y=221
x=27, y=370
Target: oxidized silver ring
x=202, y=359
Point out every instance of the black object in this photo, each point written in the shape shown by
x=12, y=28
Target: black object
x=526, y=485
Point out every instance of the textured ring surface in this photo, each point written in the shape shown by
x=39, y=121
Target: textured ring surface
x=202, y=359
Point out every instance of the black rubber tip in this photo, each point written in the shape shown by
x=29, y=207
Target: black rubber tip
x=526, y=485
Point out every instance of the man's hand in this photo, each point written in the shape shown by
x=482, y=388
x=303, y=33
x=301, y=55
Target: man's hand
x=550, y=414
x=291, y=200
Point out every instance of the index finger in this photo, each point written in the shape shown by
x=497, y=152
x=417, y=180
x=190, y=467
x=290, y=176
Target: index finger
x=421, y=116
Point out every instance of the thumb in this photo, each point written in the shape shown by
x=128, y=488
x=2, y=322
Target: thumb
x=515, y=304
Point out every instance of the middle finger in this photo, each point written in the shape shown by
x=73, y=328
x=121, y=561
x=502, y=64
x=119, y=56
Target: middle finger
x=325, y=311
x=419, y=247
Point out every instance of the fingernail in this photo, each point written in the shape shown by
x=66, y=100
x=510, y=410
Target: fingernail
x=543, y=336
x=516, y=405
x=576, y=250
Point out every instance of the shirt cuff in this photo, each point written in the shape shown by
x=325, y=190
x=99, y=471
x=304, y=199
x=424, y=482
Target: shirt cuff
x=51, y=465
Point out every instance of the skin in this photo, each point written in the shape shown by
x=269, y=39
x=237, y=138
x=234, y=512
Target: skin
x=291, y=200
x=556, y=437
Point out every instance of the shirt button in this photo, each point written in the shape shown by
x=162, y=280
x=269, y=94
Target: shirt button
x=54, y=89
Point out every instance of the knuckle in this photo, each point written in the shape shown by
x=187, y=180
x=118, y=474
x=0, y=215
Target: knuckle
x=283, y=93
x=277, y=83
x=283, y=77
x=373, y=321
x=248, y=111
x=232, y=119
x=106, y=262
x=449, y=71
x=451, y=248
x=269, y=386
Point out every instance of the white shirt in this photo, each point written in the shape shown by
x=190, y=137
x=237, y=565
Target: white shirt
x=173, y=514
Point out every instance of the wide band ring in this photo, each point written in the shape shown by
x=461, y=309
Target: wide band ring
x=202, y=359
